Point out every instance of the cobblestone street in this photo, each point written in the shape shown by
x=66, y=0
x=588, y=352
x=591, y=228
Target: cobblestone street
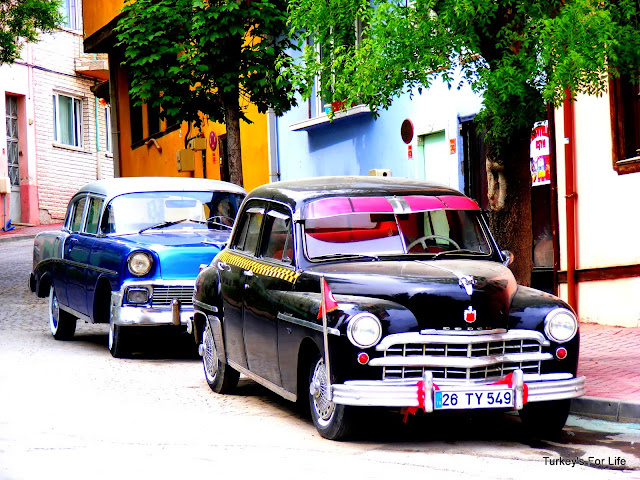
x=70, y=410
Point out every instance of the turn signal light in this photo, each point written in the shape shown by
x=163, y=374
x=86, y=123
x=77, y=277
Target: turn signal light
x=363, y=358
x=561, y=353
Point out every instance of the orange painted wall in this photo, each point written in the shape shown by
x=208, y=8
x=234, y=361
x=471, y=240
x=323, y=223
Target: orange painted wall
x=149, y=160
x=97, y=13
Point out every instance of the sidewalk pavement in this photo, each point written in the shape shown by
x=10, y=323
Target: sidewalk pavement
x=609, y=359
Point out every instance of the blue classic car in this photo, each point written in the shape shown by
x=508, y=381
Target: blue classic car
x=129, y=252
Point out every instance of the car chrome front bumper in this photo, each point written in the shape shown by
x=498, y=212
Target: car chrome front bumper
x=420, y=394
x=132, y=315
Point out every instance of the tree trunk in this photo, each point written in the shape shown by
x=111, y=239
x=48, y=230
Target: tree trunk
x=509, y=190
x=234, y=150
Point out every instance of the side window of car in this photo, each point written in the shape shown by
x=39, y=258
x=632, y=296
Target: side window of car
x=93, y=215
x=278, y=243
x=247, y=240
x=77, y=215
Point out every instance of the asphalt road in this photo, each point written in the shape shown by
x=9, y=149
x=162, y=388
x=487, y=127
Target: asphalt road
x=69, y=410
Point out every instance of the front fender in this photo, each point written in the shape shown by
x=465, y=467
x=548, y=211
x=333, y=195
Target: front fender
x=207, y=299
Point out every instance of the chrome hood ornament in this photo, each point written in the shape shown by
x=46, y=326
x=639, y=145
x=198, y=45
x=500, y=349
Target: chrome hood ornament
x=467, y=282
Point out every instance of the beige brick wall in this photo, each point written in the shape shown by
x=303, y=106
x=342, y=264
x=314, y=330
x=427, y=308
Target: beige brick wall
x=61, y=170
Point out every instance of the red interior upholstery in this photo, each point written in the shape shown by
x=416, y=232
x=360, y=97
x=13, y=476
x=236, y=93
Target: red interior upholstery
x=339, y=235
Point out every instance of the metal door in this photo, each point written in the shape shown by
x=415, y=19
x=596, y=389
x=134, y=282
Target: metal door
x=13, y=158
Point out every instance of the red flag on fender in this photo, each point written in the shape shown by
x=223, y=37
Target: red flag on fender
x=328, y=303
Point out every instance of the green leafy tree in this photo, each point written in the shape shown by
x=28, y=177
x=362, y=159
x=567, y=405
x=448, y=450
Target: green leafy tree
x=519, y=55
x=200, y=60
x=22, y=21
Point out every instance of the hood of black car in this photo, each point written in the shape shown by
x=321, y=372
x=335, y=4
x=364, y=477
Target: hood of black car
x=467, y=294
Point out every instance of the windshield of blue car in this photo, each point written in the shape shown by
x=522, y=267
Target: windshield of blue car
x=433, y=233
x=148, y=211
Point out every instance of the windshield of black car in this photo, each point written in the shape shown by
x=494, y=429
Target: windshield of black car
x=430, y=233
x=133, y=212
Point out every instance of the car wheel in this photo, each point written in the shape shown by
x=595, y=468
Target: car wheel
x=118, y=341
x=221, y=377
x=332, y=421
x=545, y=419
x=62, y=324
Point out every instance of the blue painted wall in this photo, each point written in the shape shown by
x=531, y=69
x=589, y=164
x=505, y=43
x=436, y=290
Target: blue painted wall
x=354, y=145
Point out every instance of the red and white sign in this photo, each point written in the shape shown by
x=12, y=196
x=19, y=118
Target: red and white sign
x=213, y=140
x=539, y=153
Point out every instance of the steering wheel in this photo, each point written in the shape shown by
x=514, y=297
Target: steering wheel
x=422, y=241
x=220, y=219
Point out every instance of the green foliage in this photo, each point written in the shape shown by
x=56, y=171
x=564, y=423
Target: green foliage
x=22, y=21
x=192, y=59
x=518, y=54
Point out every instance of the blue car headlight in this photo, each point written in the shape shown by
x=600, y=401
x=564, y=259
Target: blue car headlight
x=139, y=263
x=137, y=295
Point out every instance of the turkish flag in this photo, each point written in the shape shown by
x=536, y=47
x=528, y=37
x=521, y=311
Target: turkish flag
x=329, y=303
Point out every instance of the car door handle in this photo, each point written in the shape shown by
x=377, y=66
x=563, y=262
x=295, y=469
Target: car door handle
x=248, y=273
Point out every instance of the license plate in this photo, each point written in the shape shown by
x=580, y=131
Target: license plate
x=495, y=397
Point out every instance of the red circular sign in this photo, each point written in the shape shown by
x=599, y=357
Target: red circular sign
x=406, y=131
x=213, y=140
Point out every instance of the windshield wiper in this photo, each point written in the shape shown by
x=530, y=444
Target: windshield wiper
x=169, y=223
x=356, y=255
x=458, y=250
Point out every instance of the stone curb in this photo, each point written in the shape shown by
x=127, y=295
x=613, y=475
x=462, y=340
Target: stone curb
x=15, y=237
x=626, y=411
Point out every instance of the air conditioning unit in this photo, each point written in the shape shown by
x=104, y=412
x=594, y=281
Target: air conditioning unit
x=380, y=172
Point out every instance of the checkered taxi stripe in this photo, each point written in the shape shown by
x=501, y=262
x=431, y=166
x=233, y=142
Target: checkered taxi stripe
x=259, y=267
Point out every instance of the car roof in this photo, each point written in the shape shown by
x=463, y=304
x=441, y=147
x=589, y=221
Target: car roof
x=295, y=193
x=113, y=187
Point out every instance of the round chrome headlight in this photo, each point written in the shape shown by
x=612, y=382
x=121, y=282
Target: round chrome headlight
x=364, y=330
x=139, y=263
x=560, y=325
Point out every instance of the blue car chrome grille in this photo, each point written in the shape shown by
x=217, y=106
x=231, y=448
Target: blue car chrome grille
x=163, y=294
x=460, y=350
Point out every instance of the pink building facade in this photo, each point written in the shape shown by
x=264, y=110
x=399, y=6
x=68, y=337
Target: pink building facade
x=57, y=131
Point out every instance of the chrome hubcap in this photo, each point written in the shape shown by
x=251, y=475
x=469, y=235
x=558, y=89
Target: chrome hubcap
x=54, y=313
x=319, y=390
x=209, y=354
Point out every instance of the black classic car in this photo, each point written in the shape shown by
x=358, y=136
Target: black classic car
x=349, y=292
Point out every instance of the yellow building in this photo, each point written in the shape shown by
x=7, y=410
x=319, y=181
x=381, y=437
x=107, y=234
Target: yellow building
x=145, y=146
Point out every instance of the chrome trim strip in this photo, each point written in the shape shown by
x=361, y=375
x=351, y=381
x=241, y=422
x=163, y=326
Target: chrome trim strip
x=430, y=331
x=91, y=267
x=75, y=313
x=473, y=338
x=457, y=362
x=159, y=283
x=306, y=323
x=265, y=383
x=198, y=303
x=379, y=393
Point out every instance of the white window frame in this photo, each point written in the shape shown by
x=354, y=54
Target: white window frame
x=70, y=9
x=320, y=105
x=107, y=128
x=77, y=121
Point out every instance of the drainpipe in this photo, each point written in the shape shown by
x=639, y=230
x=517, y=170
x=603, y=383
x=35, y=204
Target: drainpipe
x=571, y=197
x=272, y=138
x=95, y=101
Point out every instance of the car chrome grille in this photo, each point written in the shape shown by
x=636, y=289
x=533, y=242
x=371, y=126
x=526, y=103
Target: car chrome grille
x=443, y=356
x=163, y=294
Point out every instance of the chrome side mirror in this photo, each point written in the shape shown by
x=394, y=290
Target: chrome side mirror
x=507, y=257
